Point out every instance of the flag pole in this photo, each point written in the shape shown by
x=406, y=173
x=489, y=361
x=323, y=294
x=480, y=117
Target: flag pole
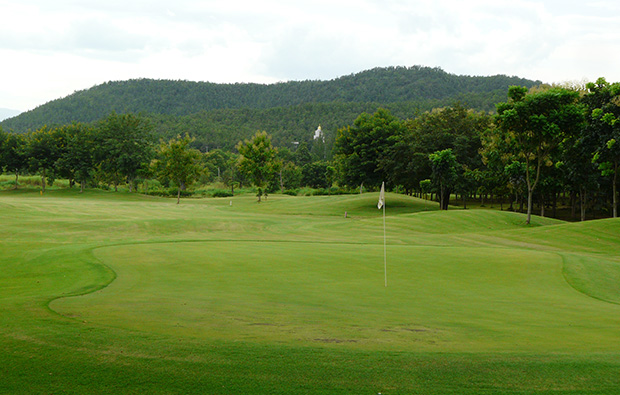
x=384, y=248
x=381, y=205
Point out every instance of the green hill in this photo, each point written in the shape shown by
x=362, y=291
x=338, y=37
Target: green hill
x=219, y=113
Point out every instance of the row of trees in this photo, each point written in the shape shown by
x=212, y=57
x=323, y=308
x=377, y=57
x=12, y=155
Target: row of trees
x=545, y=141
x=116, y=150
x=121, y=149
x=408, y=152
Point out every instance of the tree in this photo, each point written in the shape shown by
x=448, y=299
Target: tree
x=291, y=175
x=3, y=137
x=515, y=171
x=316, y=175
x=76, y=162
x=289, y=172
x=258, y=160
x=44, y=147
x=426, y=187
x=302, y=155
x=178, y=162
x=444, y=167
x=322, y=146
x=537, y=123
x=216, y=161
x=579, y=174
x=452, y=127
x=360, y=148
x=231, y=176
x=498, y=154
x=603, y=103
x=400, y=163
x=12, y=153
x=124, y=146
x=466, y=183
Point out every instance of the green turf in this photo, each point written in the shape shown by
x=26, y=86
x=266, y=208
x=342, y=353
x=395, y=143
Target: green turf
x=117, y=293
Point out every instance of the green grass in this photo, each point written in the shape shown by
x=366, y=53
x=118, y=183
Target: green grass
x=107, y=292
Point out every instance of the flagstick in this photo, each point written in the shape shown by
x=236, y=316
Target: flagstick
x=381, y=205
x=384, y=247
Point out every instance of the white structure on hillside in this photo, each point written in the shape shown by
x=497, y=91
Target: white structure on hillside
x=318, y=134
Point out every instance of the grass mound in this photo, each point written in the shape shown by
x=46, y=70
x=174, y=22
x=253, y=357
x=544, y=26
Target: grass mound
x=594, y=276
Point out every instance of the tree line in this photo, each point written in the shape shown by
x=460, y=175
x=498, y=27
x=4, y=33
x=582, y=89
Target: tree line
x=116, y=150
x=542, y=144
x=123, y=150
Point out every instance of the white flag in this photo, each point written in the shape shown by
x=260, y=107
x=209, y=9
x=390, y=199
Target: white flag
x=381, y=196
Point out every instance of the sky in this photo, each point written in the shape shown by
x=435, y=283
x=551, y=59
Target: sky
x=50, y=49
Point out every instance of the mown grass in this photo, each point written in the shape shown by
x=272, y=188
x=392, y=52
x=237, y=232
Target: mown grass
x=119, y=293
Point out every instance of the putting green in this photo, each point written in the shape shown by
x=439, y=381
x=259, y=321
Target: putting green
x=459, y=299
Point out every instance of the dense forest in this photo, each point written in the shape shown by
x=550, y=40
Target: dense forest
x=217, y=115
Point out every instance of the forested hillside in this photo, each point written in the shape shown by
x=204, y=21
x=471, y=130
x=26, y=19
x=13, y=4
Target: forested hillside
x=219, y=114
x=223, y=128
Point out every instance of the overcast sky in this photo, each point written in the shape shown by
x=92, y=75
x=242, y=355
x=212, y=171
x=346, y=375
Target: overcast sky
x=49, y=49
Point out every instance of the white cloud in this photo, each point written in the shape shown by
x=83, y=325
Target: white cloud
x=50, y=49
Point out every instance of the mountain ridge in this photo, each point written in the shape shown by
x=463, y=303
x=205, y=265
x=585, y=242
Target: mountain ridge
x=414, y=87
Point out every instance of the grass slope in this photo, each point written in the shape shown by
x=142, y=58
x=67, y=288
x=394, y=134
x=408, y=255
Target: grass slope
x=117, y=293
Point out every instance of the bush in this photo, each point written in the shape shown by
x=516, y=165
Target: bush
x=305, y=191
x=172, y=192
x=221, y=193
x=184, y=193
x=159, y=192
x=326, y=191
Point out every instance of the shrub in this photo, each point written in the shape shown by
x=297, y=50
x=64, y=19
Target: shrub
x=174, y=191
x=221, y=193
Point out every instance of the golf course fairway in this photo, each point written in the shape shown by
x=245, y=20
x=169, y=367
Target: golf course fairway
x=115, y=293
